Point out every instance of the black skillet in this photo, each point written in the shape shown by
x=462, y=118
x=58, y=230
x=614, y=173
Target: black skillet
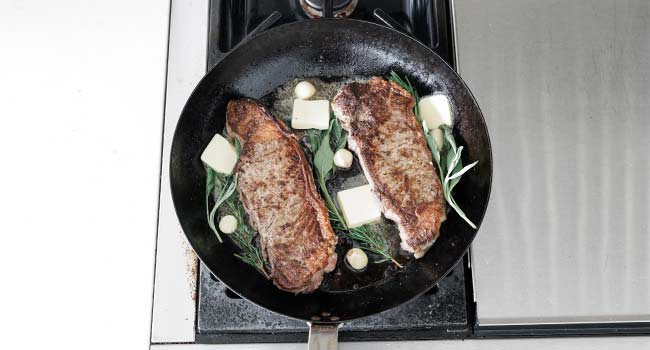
x=326, y=48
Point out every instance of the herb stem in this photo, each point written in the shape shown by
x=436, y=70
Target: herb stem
x=324, y=168
x=244, y=236
x=330, y=202
x=223, y=189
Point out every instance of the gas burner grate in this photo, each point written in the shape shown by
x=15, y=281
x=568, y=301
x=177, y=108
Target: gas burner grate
x=426, y=20
x=223, y=317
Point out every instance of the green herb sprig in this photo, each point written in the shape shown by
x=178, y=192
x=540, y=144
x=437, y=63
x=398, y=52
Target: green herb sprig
x=450, y=166
x=447, y=158
x=324, y=156
x=406, y=84
x=223, y=187
x=244, y=236
x=324, y=168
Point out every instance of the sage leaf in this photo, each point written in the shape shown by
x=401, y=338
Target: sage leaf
x=463, y=171
x=447, y=158
x=324, y=157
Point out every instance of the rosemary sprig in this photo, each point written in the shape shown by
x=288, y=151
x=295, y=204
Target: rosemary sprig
x=373, y=242
x=447, y=158
x=223, y=188
x=324, y=168
x=244, y=236
x=406, y=84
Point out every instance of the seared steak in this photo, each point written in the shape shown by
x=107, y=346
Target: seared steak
x=277, y=189
x=382, y=131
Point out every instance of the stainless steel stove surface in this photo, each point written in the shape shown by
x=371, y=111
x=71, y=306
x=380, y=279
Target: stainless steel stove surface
x=222, y=316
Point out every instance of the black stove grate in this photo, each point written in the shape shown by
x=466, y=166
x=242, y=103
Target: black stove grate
x=231, y=20
x=223, y=317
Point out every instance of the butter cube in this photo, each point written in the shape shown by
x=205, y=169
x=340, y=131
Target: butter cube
x=435, y=110
x=359, y=206
x=220, y=155
x=310, y=114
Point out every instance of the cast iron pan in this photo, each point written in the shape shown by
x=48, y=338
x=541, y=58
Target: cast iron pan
x=326, y=48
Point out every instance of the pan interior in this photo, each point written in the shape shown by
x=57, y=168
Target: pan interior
x=343, y=278
x=327, y=49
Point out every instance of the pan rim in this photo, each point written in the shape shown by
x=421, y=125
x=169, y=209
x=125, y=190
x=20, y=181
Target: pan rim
x=283, y=27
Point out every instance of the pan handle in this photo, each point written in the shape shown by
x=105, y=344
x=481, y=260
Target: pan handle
x=389, y=21
x=265, y=24
x=323, y=336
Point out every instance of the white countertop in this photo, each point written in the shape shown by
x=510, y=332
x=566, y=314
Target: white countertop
x=81, y=102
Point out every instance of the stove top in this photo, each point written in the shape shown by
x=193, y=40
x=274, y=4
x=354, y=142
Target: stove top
x=426, y=20
x=223, y=317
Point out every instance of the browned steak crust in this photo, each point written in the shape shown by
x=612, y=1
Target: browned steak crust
x=277, y=189
x=382, y=131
